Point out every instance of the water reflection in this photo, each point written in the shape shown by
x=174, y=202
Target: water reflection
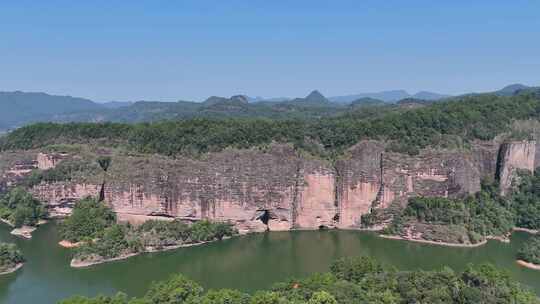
x=247, y=263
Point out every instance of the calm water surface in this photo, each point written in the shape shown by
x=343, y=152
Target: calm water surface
x=247, y=263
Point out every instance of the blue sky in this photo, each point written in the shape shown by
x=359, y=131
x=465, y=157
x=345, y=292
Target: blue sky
x=170, y=50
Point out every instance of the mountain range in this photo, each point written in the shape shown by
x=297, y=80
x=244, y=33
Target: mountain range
x=20, y=108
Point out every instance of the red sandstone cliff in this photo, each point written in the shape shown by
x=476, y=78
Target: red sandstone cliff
x=278, y=188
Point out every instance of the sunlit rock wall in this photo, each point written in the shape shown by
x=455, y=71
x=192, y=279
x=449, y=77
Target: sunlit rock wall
x=514, y=156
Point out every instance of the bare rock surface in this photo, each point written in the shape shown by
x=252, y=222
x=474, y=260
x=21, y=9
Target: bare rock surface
x=275, y=188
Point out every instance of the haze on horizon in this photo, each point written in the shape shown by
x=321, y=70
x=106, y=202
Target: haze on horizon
x=192, y=49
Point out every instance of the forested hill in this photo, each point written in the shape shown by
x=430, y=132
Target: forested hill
x=19, y=108
x=446, y=124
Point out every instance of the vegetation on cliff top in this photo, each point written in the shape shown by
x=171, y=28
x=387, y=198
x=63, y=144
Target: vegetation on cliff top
x=446, y=124
x=10, y=257
x=352, y=280
x=63, y=171
x=19, y=208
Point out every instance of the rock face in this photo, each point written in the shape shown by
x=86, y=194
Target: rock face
x=49, y=160
x=515, y=156
x=279, y=189
x=371, y=178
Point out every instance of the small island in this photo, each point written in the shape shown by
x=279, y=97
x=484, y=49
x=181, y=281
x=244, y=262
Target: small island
x=20, y=210
x=529, y=255
x=93, y=231
x=11, y=259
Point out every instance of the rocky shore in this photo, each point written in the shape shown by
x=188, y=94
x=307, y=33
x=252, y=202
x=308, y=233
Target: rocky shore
x=396, y=237
x=77, y=263
x=17, y=267
x=531, y=231
x=23, y=231
x=68, y=244
x=528, y=265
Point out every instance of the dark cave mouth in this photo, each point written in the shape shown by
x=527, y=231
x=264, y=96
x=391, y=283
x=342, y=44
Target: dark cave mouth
x=264, y=217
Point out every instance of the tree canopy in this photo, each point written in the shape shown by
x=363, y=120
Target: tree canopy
x=356, y=280
x=446, y=124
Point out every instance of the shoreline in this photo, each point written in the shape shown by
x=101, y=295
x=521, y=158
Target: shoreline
x=83, y=264
x=531, y=231
x=23, y=231
x=395, y=237
x=12, y=270
x=68, y=244
x=528, y=265
x=502, y=239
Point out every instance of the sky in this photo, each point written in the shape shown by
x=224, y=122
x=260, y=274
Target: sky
x=189, y=50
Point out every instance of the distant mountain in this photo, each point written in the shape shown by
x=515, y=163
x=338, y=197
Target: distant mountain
x=17, y=108
x=512, y=89
x=20, y=108
x=315, y=98
x=389, y=96
x=367, y=101
x=237, y=99
x=117, y=104
x=426, y=95
x=264, y=99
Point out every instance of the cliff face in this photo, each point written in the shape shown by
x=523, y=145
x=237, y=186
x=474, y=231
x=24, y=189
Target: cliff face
x=278, y=189
x=515, y=156
x=371, y=178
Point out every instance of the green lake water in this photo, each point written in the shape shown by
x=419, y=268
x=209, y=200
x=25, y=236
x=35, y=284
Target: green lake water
x=247, y=263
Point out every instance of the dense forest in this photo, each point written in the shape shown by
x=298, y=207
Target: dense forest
x=446, y=124
x=351, y=280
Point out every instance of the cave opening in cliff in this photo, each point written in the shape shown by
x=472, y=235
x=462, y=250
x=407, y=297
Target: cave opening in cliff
x=264, y=217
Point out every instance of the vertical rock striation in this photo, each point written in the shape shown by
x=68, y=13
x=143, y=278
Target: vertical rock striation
x=513, y=156
x=278, y=188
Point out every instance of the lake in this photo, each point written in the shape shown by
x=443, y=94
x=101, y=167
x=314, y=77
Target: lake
x=247, y=263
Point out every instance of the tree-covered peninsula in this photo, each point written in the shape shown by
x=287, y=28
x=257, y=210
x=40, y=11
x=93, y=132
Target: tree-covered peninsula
x=93, y=229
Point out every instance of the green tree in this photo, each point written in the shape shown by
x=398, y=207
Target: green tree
x=176, y=290
x=20, y=208
x=356, y=268
x=10, y=256
x=88, y=220
x=225, y=296
x=322, y=297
